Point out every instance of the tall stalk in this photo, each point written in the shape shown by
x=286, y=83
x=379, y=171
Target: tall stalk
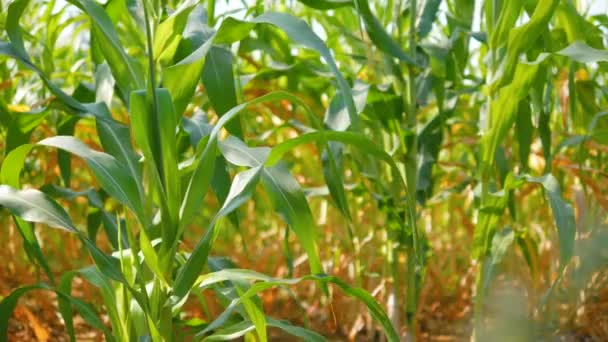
x=411, y=168
x=159, y=311
x=484, y=178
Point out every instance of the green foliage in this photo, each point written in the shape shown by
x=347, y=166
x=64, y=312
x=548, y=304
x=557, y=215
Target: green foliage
x=183, y=115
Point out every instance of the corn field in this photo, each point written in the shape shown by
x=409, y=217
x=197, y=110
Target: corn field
x=315, y=170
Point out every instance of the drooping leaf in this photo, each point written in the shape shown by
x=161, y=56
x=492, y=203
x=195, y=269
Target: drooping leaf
x=563, y=214
x=383, y=41
x=289, y=201
x=583, y=53
x=297, y=29
x=110, y=173
x=8, y=304
x=241, y=190
x=127, y=70
x=500, y=245
x=34, y=206
x=263, y=282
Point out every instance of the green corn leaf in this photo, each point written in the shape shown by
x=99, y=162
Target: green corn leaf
x=263, y=282
x=563, y=214
x=32, y=247
x=501, y=243
x=167, y=123
x=233, y=30
x=254, y=312
x=35, y=206
x=241, y=190
x=326, y=4
x=241, y=328
x=381, y=39
x=146, y=131
x=489, y=216
x=217, y=73
x=204, y=165
x=169, y=33
x=362, y=143
x=522, y=37
x=220, y=182
x=524, y=130
x=64, y=159
x=238, y=153
x=64, y=305
x=284, y=192
x=304, y=334
x=9, y=176
x=126, y=70
x=109, y=172
x=506, y=22
x=332, y=171
x=97, y=279
x=7, y=305
x=504, y=110
x=232, y=332
x=581, y=52
x=199, y=182
x=115, y=138
x=21, y=128
x=428, y=17
x=181, y=79
x=289, y=201
x=337, y=117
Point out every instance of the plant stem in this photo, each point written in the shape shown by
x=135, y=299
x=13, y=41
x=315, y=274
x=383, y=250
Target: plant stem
x=411, y=167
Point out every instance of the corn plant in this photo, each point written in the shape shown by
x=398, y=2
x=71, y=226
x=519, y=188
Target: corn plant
x=420, y=98
x=157, y=186
x=515, y=88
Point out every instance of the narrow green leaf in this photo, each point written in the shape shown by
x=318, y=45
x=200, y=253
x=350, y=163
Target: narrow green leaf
x=304, y=334
x=428, y=17
x=501, y=243
x=217, y=74
x=504, y=110
x=524, y=130
x=231, y=332
x=381, y=39
x=7, y=305
x=169, y=33
x=35, y=206
x=109, y=172
x=583, y=53
x=264, y=282
x=127, y=71
x=326, y=4
x=523, y=37
x=563, y=214
x=289, y=201
x=241, y=190
x=21, y=127
x=506, y=22
x=181, y=79
x=297, y=29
